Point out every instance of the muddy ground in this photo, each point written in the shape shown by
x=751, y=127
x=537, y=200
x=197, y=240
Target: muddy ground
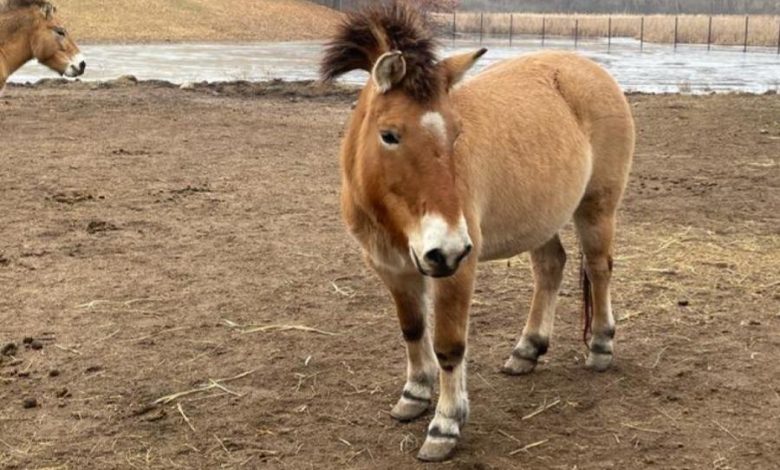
x=146, y=230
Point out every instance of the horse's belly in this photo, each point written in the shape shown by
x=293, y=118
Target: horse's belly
x=524, y=213
x=508, y=238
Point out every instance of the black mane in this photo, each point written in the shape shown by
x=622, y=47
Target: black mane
x=10, y=5
x=366, y=34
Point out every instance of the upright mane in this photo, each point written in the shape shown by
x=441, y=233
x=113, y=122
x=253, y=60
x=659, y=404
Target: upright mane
x=10, y=5
x=365, y=35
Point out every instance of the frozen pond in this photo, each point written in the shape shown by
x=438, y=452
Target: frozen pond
x=657, y=69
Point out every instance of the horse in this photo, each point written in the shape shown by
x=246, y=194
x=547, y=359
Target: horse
x=439, y=173
x=30, y=30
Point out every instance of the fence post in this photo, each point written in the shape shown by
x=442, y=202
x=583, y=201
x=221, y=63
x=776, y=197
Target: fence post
x=576, y=31
x=544, y=24
x=778, y=39
x=609, y=33
x=481, y=26
x=747, y=22
x=709, y=34
x=454, y=25
x=675, y=32
x=511, y=27
x=642, y=34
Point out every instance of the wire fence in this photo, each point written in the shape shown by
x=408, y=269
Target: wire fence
x=758, y=33
x=748, y=33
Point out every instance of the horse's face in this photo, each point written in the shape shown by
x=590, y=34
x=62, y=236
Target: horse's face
x=406, y=170
x=53, y=46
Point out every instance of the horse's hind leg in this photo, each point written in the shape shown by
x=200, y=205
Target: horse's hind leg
x=595, y=221
x=547, y=263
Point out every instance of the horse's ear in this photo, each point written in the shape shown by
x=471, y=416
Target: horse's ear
x=389, y=70
x=48, y=10
x=455, y=67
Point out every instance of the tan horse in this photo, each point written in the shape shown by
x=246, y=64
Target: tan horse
x=30, y=30
x=436, y=177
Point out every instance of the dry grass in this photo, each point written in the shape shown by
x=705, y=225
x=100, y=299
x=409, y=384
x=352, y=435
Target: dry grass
x=196, y=20
x=692, y=29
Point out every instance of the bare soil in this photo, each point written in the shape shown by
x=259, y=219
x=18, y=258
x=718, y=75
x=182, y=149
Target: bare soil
x=146, y=230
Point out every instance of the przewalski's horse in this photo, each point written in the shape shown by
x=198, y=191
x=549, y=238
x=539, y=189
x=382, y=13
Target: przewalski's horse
x=437, y=177
x=30, y=30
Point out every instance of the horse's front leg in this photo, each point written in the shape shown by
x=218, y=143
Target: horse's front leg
x=412, y=305
x=452, y=297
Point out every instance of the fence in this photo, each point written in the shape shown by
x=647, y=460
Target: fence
x=759, y=33
x=711, y=30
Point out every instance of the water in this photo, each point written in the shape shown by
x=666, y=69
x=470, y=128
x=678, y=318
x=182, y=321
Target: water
x=658, y=69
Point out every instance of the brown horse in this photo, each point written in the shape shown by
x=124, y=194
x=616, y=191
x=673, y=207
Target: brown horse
x=436, y=177
x=30, y=30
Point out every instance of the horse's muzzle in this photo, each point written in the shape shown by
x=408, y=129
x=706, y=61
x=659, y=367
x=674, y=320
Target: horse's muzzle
x=436, y=263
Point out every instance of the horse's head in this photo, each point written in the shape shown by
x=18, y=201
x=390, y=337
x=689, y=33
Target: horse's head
x=398, y=155
x=51, y=43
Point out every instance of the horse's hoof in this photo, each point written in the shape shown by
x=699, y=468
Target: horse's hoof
x=518, y=366
x=598, y=362
x=437, y=449
x=407, y=410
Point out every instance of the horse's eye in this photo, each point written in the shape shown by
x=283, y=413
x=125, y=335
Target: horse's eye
x=390, y=138
x=60, y=31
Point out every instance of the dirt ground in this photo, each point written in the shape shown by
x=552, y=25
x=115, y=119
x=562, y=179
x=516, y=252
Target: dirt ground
x=146, y=230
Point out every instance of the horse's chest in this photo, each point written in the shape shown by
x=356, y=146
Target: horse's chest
x=379, y=249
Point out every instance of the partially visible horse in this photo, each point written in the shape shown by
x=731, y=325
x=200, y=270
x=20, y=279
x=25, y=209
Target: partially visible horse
x=437, y=176
x=29, y=29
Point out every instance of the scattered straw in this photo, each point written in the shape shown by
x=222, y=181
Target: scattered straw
x=529, y=446
x=211, y=385
x=161, y=332
x=66, y=348
x=541, y=410
x=637, y=428
x=725, y=430
x=186, y=419
x=245, y=329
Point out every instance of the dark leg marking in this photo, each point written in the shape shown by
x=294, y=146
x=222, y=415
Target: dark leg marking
x=536, y=346
x=436, y=432
x=410, y=396
x=448, y=360
x=413, y=332
x=600, y=348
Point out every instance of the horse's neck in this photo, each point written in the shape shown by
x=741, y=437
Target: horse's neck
x=14, y=52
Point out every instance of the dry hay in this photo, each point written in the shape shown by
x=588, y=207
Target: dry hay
x=196, y=20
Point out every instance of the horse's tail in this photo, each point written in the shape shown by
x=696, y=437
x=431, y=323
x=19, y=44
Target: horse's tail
x=587, y=301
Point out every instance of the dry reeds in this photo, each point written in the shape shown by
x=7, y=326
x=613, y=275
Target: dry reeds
x=691, y=29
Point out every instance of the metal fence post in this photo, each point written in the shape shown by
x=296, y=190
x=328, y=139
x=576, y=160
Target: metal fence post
x=609, y=33
x=511, y=27
x=675, y=32
x=481, y=26
x=544, y=25
x=747, y=23
x=709, y=34
x=642, y=34
x=454, y=25
x=576, y=31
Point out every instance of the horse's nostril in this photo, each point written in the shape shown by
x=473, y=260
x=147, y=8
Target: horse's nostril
x=82, y=66
x=436, y=257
